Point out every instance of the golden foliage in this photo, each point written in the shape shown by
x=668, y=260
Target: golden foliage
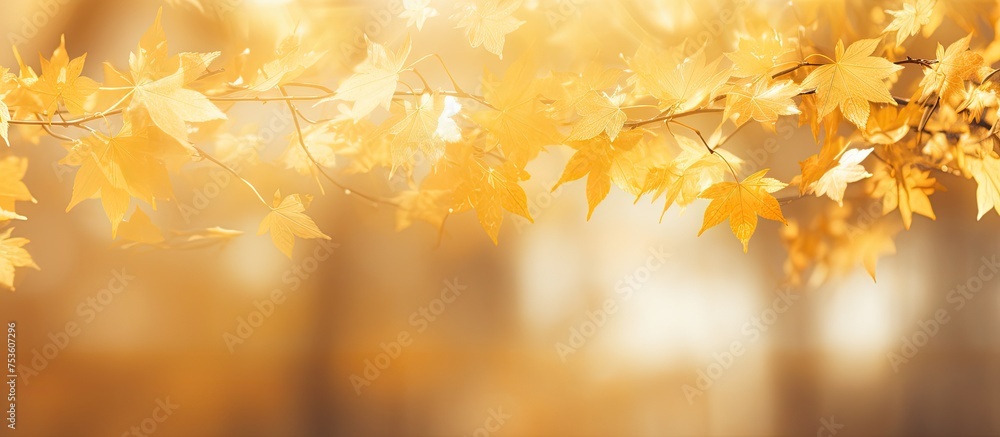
x=458, y=143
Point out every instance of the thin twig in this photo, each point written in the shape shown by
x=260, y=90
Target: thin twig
x=318, y=166
x=705, y=143
x=205, y=155
x=796, y=67
x=669, y=117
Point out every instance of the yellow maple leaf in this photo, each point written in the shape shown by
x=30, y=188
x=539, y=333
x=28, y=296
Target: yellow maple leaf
x=907, y=21
x=118, y=167
x=834, y=182
x=756, y=57
x=18, y=96
x=291, y=60
x=288, y=220
x=568, y=89
x=374, y=80
x=599, y=112
x=487, y=22
x=156, y=84
x=889, y=124
x=817, y=165
x=12, y=188
x=906, y=189
x=482, y=182
x=741, y=203
x=602, y=161
x=955, y=65
x=870, y=245
x=762, y=101
x=853, y=80
x=688, y=174
x=12, y=255
x=61, y=82
x=413, y=128
x=518, y=120
x=987, y=174
x=679, y=87
x=417, y=12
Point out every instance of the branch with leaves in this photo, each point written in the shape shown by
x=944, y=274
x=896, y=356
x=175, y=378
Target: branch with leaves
x=458, y=151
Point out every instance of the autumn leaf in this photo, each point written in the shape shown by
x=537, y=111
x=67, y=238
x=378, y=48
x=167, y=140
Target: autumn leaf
x=741, y=203
x=906, y=189
x=955, y=65
x=815, y=166
x=761, y=101
x=679, y=87
x=907, y=21
x=756, y=57
x=13, y=255
x=889, y=124
x=417, y=12
x=987, y=174
x=413, y=127
x=490, y=192
x=12, y=188
x=291, y=60
x=60, y=82
x=868, y=246
x=171, y=106
x=692, y=171
x=374, y=80
x=118, y=167
x=487, y=22
x=482, y=182
x=569, y=89
x=599, y=112
x=156, y=84
x=602, y=161
x=855, y=79
x=848, y=169
x=518, y=121
x=288, y=220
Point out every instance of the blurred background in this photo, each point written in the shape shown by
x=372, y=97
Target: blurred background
x=327, y=360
